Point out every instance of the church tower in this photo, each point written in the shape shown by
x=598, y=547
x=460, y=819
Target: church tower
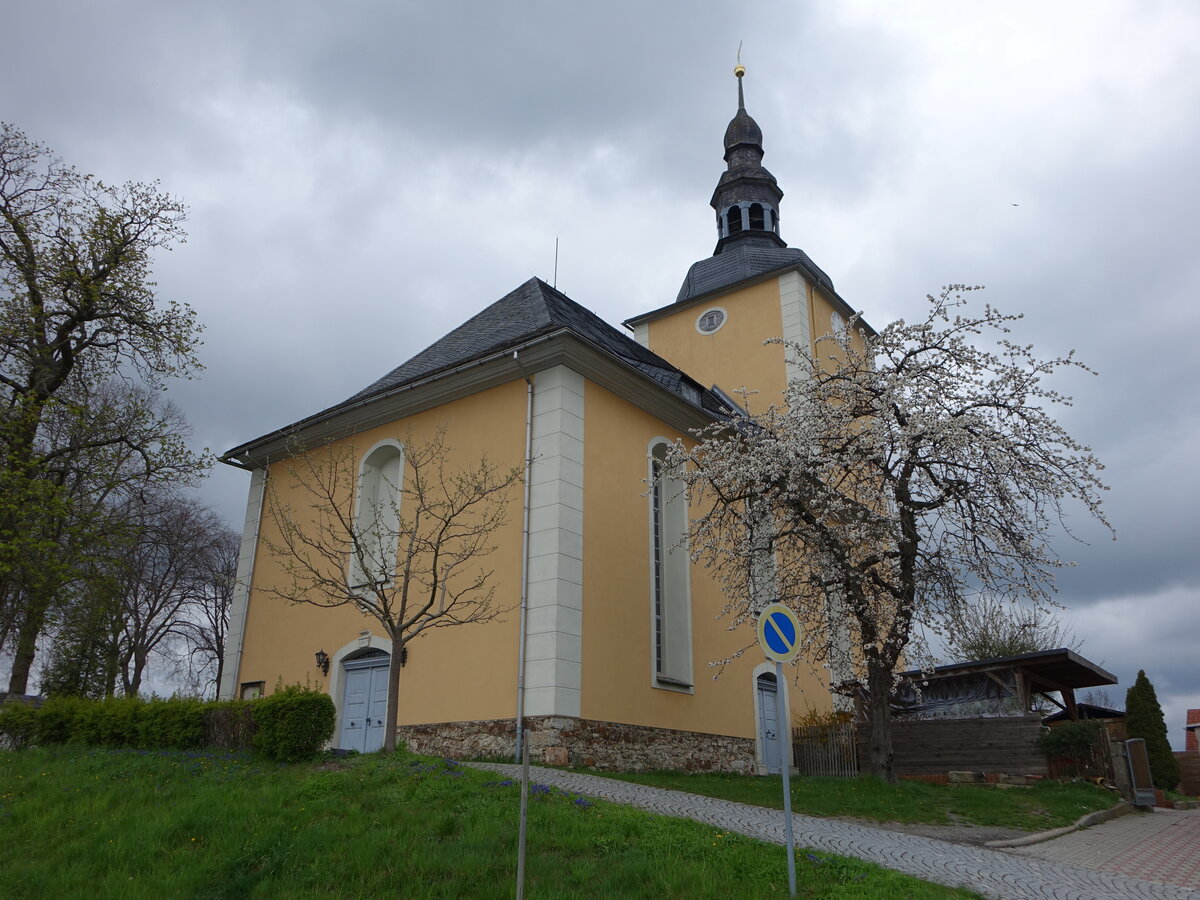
x=747, y=197
x=753, y=288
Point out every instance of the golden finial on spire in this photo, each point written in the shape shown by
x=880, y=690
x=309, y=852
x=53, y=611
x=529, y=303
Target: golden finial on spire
x=739, y=70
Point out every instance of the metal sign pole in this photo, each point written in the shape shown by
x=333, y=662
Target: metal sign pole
x=524, y=815
x=779, y=637
x=785, y=765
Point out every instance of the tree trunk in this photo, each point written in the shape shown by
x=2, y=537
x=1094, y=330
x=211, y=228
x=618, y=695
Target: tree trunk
x=133, y=683
x=30, y=629
x=393, y=700
x=880, y=759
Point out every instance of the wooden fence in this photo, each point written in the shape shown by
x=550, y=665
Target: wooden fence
x=825, y=750
x=1189, y=772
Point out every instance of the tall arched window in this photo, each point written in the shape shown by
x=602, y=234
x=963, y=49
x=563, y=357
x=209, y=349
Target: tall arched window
x=669, y=568
x=756, y=217
x=377, y=516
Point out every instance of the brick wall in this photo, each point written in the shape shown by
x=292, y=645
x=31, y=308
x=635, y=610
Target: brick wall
x=937, y=746
x=1193, y=734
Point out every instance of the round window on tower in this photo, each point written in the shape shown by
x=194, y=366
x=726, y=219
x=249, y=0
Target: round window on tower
x=710, y=320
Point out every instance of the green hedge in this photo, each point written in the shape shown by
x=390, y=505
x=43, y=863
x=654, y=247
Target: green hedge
x=293, y=723
x=289, y=725
x=1076, y=744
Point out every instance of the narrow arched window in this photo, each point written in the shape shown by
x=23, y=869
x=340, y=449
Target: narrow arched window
x=377, y=517
x=733, y=220
x=669, y=569
x=756, y=217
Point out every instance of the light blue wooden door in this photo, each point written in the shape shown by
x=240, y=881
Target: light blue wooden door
x=376, y=709
x=354, y=710
x=364, y=706
x=768, y=723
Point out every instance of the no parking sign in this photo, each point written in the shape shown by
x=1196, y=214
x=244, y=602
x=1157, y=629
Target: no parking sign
x=779, y=632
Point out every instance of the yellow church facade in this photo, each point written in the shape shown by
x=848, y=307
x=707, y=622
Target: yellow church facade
x=615, y=667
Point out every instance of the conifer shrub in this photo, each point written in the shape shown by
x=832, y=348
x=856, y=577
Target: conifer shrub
x=1144, y=719
x=293, y=723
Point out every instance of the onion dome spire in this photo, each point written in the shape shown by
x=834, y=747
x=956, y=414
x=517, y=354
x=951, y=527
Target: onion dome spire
x=747, y=197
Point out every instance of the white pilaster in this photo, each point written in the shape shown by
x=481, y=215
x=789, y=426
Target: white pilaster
x=793, y=304
x=555, y=626
x=231, y=665
x=641, y=334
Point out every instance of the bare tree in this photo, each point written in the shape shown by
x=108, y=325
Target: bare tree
x=991, y=627
x=401, y=542
x=206, y=626
x=161, y=577
x=907, y=470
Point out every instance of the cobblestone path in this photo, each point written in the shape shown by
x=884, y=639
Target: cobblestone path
x=1001, y=875
x=1164, y=844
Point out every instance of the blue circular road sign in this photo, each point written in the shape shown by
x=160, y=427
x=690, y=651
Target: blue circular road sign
x=779, y=633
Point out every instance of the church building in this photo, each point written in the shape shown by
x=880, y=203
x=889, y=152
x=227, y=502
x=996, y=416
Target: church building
x=621, y=628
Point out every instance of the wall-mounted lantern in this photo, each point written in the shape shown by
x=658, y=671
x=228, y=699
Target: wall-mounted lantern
x=323, y=662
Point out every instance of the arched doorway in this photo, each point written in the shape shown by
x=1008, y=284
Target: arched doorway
x=768, y=722
x=364, y=701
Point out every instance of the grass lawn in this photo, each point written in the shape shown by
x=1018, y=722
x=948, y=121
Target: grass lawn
x=129, y=824
x=1048, y=804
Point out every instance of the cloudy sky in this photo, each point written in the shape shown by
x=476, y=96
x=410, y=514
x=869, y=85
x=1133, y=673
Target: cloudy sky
x=363, y=176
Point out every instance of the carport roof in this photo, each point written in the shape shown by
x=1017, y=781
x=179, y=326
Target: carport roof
x=1048, y=670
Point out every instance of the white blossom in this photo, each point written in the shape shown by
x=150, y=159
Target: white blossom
x=905, y=473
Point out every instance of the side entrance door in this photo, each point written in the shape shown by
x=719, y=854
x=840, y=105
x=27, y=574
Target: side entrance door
x=768, y=723
x=364, y=704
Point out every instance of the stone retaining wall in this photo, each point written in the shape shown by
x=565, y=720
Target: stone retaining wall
x=563, y=740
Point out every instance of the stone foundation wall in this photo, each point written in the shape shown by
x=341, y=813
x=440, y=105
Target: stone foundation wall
x=563, y=740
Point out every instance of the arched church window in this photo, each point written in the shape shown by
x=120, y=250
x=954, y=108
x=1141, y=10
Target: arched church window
x=669, y=568
x=377, y=516
x=756, y=217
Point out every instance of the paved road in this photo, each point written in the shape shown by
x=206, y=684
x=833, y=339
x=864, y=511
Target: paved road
x=1001, y=875
x=1163, y=845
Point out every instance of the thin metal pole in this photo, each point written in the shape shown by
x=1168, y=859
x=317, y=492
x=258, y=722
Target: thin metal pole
x=524, y=817
x=785, y=765
x=524, y=568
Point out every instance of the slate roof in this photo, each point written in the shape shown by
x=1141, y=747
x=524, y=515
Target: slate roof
x=533, y=309
x=735, y=264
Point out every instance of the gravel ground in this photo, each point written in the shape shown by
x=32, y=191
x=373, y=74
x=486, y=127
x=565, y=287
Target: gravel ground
x=971, y=835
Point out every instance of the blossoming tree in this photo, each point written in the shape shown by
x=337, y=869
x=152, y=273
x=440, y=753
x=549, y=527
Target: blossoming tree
x=906, y=473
